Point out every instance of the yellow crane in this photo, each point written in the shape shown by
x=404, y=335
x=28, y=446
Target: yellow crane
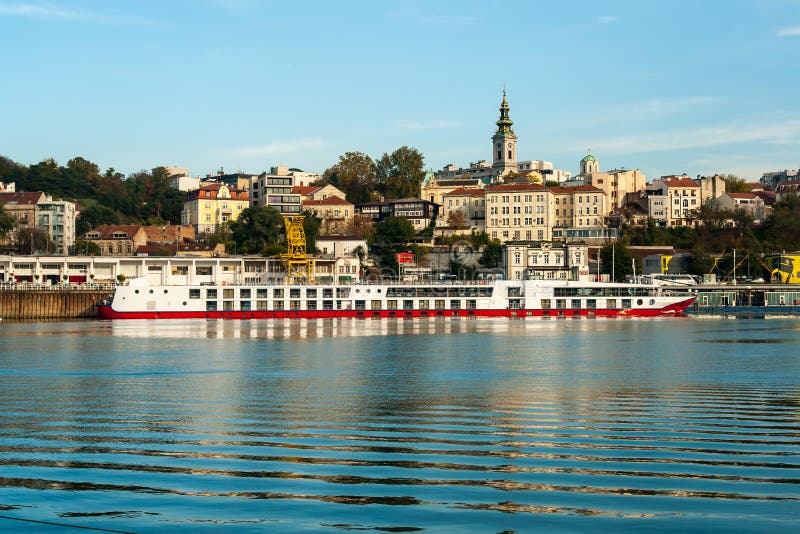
x=298, y=265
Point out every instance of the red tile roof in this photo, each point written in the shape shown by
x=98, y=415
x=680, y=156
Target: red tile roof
x=211, y=191
x=21, y=197
x=305, y=189
x=681, y=182
x=461, y=191
x=574, y=188
x=107, y=231
x=330, y=201
x=742, y=195
x=517, y=186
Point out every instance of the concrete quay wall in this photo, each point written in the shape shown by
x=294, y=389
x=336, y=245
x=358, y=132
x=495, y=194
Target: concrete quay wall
x=50, y=304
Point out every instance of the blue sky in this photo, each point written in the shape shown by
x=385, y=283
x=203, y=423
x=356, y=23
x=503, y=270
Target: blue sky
x=665, y=87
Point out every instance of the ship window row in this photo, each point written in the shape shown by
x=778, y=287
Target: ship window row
x=603, y=291
x=265, y=305
x=264, y=293
x=423, y=292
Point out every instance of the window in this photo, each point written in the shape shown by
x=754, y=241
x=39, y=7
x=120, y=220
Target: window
x=194, y=293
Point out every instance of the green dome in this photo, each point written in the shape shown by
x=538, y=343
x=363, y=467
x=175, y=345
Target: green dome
x=588, y=157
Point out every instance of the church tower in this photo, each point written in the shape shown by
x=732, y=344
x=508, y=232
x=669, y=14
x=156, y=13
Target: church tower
x=504, y=143
x=589, y=164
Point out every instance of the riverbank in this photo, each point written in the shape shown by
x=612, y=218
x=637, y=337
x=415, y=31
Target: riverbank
x=51, y=303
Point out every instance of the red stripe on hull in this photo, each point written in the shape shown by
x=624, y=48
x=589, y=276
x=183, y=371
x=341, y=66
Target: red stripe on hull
x=107, y=312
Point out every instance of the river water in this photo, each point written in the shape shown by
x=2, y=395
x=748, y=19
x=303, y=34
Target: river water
x=401, y=425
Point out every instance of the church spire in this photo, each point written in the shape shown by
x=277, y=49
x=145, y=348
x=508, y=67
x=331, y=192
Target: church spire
x=504, y=124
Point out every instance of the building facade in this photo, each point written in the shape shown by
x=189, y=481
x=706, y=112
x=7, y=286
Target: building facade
x=276, y=191
x=55, y=218
x=208, y=208
x=419, y=212
x=678, y=196
x=336, y=213
x=525, y=260
x=471, y=207
x=519, y=211
x=750, y=203
x=616, y=185
x=117, y=239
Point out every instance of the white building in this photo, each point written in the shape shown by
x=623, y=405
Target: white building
x=173, y=270
x=546, y=261
x=56, y=218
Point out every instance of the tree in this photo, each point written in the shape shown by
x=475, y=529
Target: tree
x=394, y=230
x=86, y=248
x=33, y=241
x=391, y=236
x=81, y=177
x=492, y=256
x=7, y=222
x=256, y=228
x=616, y=260
x=456, y=219
x=399, y=174
x=355, y=175
x=782, y=226
x=311, y=226
x=700, y=262
x=94, y=216
x=734, y=184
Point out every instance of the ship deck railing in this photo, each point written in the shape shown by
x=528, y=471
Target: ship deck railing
x=33, y=286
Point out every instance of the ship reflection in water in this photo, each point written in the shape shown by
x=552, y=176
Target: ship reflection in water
x=434, y=425
x=299, y=329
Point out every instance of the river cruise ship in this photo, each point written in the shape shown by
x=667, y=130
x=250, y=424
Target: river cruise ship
x=140, y=299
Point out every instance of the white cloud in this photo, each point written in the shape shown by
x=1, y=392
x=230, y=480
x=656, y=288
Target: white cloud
x=788, y=31
x=430, y=125
x=48, y=11
x=606, y=19
x=776, y=132
x=278, y=147
x=37, y=10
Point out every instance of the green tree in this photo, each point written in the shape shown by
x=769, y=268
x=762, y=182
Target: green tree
x=81, y=177
x=399, y=174
x=7, y=222
x=311, y=226
x=256, y=228
x=94, y=216
x=392, y=236
x=781, y=229
x=734, y=184
x=354, y=174
x=700, y=262
x=33, y=241
x=492, y=256
x=86, y=248
x=616, y=261
x=394, y=230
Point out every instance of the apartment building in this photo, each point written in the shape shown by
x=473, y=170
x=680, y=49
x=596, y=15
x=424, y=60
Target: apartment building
x=213, y=205
x=519, y=211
